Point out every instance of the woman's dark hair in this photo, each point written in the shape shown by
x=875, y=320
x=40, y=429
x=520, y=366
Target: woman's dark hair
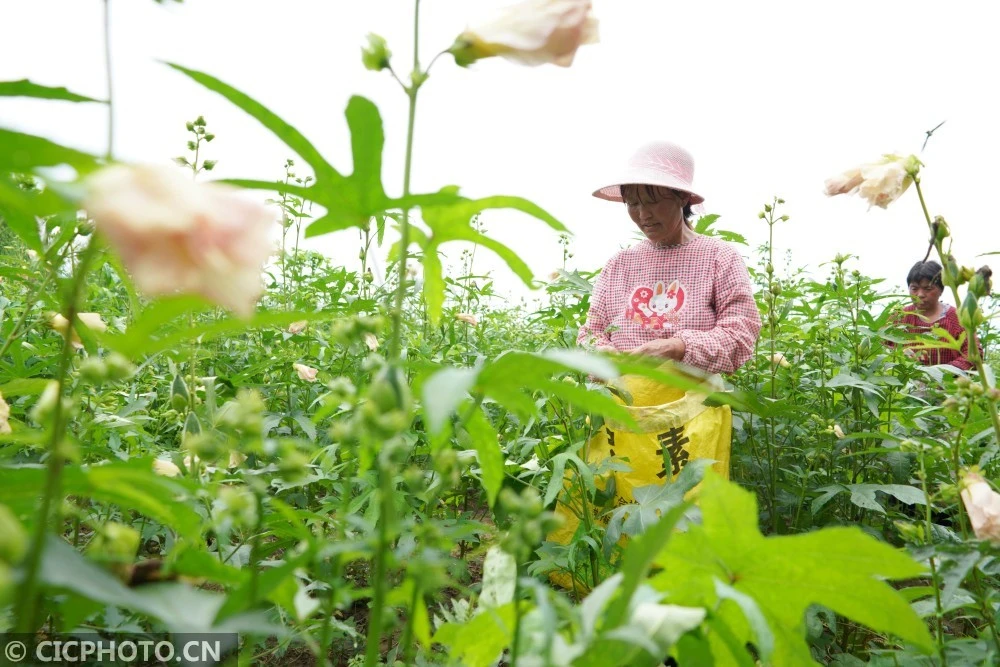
x=653, y=193
x=921, y=271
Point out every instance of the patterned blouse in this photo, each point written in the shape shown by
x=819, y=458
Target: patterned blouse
x=948, y=321
x=699, y=291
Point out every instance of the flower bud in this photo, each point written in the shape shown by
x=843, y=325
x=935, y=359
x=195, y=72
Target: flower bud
x=941, y=230
x=980, y=284
x=969, y=315
x=912, y=166
x=191, y=424
x=375, y=56
x=179, y=396
x=950, y=273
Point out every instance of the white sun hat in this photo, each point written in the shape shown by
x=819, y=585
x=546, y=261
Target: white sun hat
x=656, y=163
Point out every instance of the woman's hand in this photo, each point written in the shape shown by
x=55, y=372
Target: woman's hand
x=665, y=348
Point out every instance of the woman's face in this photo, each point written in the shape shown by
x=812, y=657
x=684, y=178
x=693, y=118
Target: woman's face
x=925, y=295
x=658, y=212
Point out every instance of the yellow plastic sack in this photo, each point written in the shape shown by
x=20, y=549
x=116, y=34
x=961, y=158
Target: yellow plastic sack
x=674, y=427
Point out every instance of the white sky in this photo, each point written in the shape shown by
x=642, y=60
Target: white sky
x=770, y=97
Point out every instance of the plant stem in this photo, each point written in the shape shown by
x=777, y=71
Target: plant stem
x=53, y=481
x=107, y=66
x=939, y=613
x=395, y=339
x=515, y=643
x=382, y=546
x=974, y=356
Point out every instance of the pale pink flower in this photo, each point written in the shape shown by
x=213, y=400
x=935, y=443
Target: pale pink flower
x=306, y=373
x=467, y=318
x=4, y=416
x=93, y=321
x=532, y=32
x=298, y=327
x=983, y=505
x=177, y=236
x=881, y=183
x=778, y=359
x=166, y=468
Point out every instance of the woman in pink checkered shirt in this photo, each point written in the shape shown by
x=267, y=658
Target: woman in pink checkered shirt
x=677, y=294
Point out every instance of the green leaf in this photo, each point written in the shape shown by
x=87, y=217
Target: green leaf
x=558, y=481
x=479, y=642
x=25, y=152
x=863, y=495
x=762, y=632
x=491, y=460
x=131, y=485
x=292, y=137
x=840, y=568
x=178, y=606
x=499, y=574
x=24, y=387
x=443, y=392
x=452, y=221
x=25, y=88
x=639, y=557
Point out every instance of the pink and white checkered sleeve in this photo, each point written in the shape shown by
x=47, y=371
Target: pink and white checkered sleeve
x=728, y=345
x=594, y=333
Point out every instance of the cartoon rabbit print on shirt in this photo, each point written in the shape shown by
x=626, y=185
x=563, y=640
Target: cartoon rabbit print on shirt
x=656, y=307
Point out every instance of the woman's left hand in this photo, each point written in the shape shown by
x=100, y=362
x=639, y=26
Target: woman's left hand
x=665, y=348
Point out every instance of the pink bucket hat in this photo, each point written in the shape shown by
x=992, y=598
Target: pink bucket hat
x=656, y=163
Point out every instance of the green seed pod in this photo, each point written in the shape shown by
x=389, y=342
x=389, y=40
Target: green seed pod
x=119, y=367
x=775, y=288
x=94, y=371
x=179, y=395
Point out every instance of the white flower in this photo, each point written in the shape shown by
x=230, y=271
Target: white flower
x=666, y=623
x=4, y=416
x=778, y=359
x=467, y=318
x=166, y=468
x=370, y=340
x=881, y=183
x=983, y=505
x=176, y=236
x=839, y=432
x=306, y=373
x=298, y=327
x=93, y=321
x=533, y=32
